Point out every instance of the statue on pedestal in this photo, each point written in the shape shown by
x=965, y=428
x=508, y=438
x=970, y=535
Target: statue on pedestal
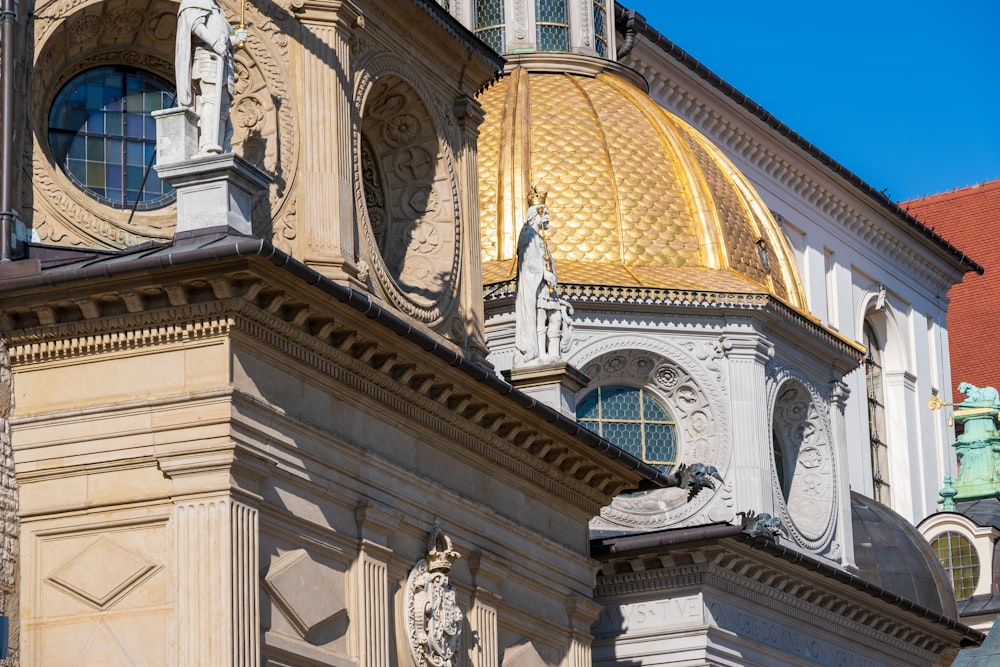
x=204, y=68
x=542, y=319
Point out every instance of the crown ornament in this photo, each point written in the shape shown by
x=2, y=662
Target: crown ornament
x=440, y=555
x=537, y=195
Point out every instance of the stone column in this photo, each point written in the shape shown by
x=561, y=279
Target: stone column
x=328, y=155
x=372, y=623
x=218, y=610
x=748, y=354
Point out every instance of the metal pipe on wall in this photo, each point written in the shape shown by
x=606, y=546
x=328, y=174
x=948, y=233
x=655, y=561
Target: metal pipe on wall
x=8, y=17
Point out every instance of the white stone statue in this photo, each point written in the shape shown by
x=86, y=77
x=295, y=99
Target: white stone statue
x=541, y=318
x=203, y=63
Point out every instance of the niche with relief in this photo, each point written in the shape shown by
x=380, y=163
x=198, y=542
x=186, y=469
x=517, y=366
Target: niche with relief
x=407, y=204
x=804, y=471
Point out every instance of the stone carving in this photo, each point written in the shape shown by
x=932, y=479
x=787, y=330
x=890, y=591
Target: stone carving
x=204, y=68
x=406, y=192
x=433, y=618
x=695, y=403
x=542, y=319
x=60, y=211
x=805, y=471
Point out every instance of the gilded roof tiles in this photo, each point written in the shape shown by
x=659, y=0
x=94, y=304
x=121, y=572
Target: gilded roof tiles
x=637, y=197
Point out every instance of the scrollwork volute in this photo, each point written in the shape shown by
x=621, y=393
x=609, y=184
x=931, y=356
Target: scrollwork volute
x=433, y=619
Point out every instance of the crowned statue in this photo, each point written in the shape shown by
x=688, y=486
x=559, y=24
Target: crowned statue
x=204, y=68
x=542, y=318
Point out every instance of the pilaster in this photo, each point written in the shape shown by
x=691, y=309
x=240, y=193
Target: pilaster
x=327, y=156
x=748, y=354
x=839, y=393
x=582, y=613
x=216, y=542
x=484, y=644
x=470, y=115
x=372, y=625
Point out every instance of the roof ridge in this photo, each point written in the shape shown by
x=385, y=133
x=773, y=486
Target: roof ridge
x=961, y=190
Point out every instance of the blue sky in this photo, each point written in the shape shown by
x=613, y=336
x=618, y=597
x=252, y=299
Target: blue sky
x=904, y=94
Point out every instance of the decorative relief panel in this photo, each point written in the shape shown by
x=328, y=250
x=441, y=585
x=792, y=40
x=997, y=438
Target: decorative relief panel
x=407, y=191
x=804, y=467
x=71, y=37
x=691, y=390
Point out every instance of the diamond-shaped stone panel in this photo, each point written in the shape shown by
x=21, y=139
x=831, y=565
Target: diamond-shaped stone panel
x=523, y=654
x=102, y=573
x=308, y=593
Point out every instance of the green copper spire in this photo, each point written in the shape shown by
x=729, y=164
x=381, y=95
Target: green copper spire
x=978, y=448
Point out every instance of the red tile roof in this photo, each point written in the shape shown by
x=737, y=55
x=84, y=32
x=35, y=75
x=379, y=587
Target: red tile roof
x=970, y=218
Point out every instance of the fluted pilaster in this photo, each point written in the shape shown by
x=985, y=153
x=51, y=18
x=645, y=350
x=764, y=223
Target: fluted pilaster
x=328, y=154
x=839, y=393
x=748, y=354
x=375, y=527
x=217, y=592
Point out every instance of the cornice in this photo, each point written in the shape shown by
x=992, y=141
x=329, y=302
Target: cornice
x=499, y=300
x=723, y=131
x=247, y=296
x=782, y=590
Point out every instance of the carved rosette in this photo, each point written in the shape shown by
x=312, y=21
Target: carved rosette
x=72, y=36
x=406, y=191
x=433, y=618
x=804, y=473
x=686, y=381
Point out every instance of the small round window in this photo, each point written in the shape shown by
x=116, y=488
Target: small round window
x=960, y=561
x=632, y=419
x=103, y=136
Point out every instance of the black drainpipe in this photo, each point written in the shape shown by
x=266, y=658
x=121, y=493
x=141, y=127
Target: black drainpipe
x=8, y=16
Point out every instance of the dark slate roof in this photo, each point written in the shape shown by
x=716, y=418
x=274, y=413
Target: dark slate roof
x=984, y=512
x=892, y=554
x=987, y=655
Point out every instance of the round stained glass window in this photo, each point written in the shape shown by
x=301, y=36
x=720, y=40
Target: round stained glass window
x=633, y=420
x=960, y=561
x=103, y=136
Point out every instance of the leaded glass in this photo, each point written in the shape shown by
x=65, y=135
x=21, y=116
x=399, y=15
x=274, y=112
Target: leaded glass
x=600, y=28
x=87, y=122
x=489, y=23
x=552, y=25
x=960, y=561
x=632, y=419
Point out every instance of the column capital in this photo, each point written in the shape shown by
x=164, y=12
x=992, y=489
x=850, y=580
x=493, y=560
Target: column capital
x=376, y=523
x=746, y=345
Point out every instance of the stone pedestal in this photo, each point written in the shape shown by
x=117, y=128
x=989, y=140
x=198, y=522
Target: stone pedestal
x=213, y=190
x=556, y=384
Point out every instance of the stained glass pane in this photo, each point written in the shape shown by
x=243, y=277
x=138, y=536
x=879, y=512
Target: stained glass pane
x=87, y=121
x=632, y=419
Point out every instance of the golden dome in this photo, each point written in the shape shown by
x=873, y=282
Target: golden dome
x=637, y=197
